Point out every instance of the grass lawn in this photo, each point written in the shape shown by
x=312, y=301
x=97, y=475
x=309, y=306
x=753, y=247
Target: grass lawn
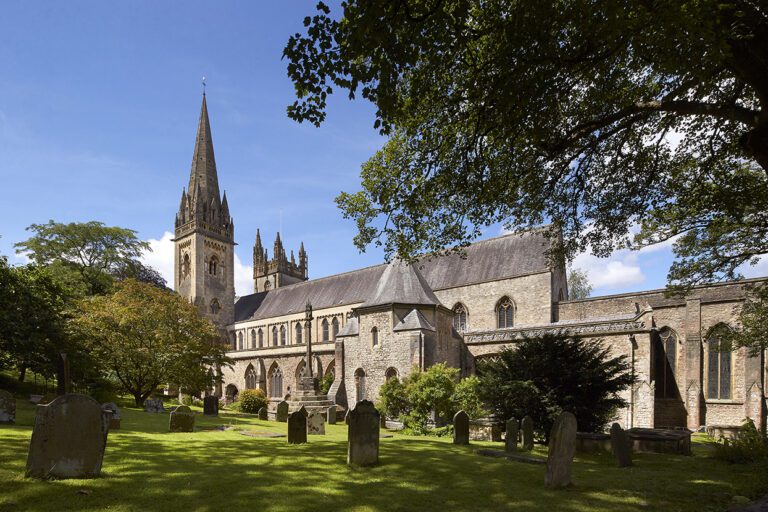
x=147, y=468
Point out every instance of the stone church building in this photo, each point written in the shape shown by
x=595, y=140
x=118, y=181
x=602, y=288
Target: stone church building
x=381, y=322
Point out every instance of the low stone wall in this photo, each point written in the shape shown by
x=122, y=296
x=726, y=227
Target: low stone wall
x=587, y=442
x=723, y=431
x=651, y=440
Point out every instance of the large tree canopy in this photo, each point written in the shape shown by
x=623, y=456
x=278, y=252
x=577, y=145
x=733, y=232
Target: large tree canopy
x=593, y=115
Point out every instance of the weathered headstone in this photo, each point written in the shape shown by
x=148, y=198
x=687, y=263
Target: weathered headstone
x=297, y=426
x=331, y=415
x=316, y=423
x=562, y=446
x=211, y=405
x=263, y=413
x=620, y=446
x=363, y=434
x=527, y=427
x=282, y=412
x=68, y=438
x=154, y=405
x=513, y=430
x=461, y=428
x=182, y=419
x=114, y=419
x=7, y=407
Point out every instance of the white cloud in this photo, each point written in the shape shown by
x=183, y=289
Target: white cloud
x=617, y=271
x=758, y=270
x=161, y=259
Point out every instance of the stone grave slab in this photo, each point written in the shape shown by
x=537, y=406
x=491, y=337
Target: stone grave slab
x=211, y=405
x=316, y=423
x=562, y=447
x=330, y=415
x=622, y=449
x=297, y=426
x=527, y=428
x=263, y=414
x=282, y=412
x=182, y=419
x=154, y=405
x=114, y=419
x=513, y=431
x=461, y=428
x=363, y=434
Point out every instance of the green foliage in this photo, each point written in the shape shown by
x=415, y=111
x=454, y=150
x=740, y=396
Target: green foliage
x=326, y=382
x=251, y=400
x=144, y=336
x=466, y=397
x=593, y=115
x=541, y=377
x=579, y=286
x=392, y=399
x=749, y=445
x=427, y=392
x=753, y=318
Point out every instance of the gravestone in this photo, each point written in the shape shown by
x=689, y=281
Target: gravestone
x=182, y=419
x=316, y=423
x=331, y=415
x=68, y=438
x=263, y=414
x=527, y=427
x=297, y=426
x=282, y=412
x=154, y=405
x=114, y=419
x=7, y=407
x=562, y=446
x=211, y=405
x=620, y=446
x=363, y=434
x=510, y=442
x=461, y=428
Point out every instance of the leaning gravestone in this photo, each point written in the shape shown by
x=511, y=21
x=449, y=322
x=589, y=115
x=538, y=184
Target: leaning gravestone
x=154, y=405
x=263, y=413
x=182, y=419
x=562, y=446
x=461, y=428
x=622, y=450
x=363, y=434
x=331, y=415
x=282, y=412
x=114, y=419
x=316, y=423
x=527, y=427
x=510, y=442
x=297, y=426
x=7, y=407
x=68, y=438
x=211, y=405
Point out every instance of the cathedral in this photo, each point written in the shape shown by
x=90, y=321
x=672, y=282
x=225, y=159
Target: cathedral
x=363, y=327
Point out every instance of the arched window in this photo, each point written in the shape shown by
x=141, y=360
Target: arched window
x=718, y=366
x=359, y=385
x=299, y=341
x=326, y=330
x=274, y=336
x=665, y=363
x=335, y=327
x=213, y=264
x=215, y=306
x=390, y=374
x=459, y=317
x=185, y=266
x=230, y=392
x=267, y=286
x=276, y=382
x=261, y=338
x=374, y=336
x=253, y=338
x=234, y=341
x=282, y=335
x=505, y=312
x=240, y=341
x=251, y=380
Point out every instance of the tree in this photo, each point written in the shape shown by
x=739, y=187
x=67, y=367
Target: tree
x=392, y=398
x=467, y=397
x=545, y=376
x=753, y=334
x=144, y=336
x=579, y=286
x=592, y=115
x=85, y=255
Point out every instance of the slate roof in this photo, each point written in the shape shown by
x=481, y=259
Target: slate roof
x=488, y=260
x=414, y=321
x=351, y=329
x=401, y=283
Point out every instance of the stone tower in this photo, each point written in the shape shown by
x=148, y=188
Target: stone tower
x=279, y=271
x=205, y=236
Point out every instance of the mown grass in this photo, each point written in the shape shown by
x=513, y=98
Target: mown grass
x=147, y=469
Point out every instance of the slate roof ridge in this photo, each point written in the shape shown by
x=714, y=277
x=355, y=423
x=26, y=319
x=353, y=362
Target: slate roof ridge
x=414, y=320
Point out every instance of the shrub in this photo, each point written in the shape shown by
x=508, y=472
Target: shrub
x=191, y=400
x=326, y=383
x=467, y=397
x=747, y=446
x=251, y=400
x=392, y=399
x=428, y=391
x=541, y=377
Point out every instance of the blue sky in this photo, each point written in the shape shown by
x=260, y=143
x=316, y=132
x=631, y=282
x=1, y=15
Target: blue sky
x=98, y=109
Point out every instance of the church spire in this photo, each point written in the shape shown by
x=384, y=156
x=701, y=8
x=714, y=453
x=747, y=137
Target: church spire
x=203, y=176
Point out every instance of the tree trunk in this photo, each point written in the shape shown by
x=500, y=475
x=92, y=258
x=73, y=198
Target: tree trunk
x=139, y=399
x=22, y=372
x=755, y=143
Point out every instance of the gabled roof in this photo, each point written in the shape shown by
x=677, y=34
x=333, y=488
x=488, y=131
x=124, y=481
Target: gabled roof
x=401, y=283
x=414, y=321
x=488, y=260
x=351, y=329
